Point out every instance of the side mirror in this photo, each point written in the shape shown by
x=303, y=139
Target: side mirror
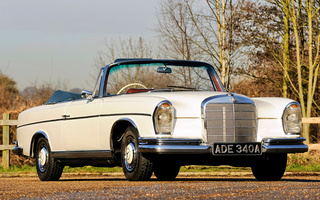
x=86, y=95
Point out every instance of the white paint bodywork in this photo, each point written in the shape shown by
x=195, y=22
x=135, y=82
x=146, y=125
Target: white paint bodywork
x=269, y=117
x=88, y=124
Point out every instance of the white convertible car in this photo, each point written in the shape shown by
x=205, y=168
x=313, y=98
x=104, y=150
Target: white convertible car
x=151, y=115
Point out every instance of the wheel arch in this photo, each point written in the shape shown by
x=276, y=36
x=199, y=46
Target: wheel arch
x=117, y=132
x=34, y=141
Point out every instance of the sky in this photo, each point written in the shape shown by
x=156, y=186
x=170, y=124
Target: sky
x=44, y=41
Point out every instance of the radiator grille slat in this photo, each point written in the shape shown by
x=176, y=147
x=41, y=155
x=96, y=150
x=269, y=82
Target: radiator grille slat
x=230, y=122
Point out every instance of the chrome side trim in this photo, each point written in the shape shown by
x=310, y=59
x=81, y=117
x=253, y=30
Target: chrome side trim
x=92, y=154
x=63, y=118
x=284, y=145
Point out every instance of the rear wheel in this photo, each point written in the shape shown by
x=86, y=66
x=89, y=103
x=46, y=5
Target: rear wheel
x=166, y=172
x=270, y=167
x=48, y=168
x=135, y=166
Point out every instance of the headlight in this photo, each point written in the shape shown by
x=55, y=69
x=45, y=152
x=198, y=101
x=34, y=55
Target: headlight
x=163, y=118
x=292, y=118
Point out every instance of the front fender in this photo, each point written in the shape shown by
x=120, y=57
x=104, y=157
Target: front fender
x=269, y=117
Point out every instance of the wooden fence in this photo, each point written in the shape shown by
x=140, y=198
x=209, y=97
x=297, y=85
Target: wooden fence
x=6, y=147
x=311, y=120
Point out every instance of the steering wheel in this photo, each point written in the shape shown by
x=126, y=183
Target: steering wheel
x=131, y=84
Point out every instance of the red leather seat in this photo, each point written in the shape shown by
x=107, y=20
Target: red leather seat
x=137, y=90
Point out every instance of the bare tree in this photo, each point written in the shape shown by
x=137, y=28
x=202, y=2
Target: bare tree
x=306, y=94
x=200, y=30
x=175, y=29
x=123, y=48
x=285, y=38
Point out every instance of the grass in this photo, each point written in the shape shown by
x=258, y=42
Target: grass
x=306, y=162
x=18, y=169
x=309, y=162
x=67, y=169
x=92, y=169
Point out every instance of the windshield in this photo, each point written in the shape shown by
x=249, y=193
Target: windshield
x=130, y=78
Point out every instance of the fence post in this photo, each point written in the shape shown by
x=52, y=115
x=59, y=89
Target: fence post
x=5, y=135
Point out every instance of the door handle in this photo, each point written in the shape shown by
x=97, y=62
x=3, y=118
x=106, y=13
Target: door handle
x=65, y=116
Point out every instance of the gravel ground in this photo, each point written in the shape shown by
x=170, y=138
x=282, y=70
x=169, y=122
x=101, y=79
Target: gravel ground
x=187, y=186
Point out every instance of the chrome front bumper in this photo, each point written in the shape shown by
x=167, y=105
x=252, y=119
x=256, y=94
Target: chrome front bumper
x=195, y=146
x=284, y=145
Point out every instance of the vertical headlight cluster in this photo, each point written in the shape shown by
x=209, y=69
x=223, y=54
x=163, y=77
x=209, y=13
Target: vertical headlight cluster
x=292, y=119
x=163, y=118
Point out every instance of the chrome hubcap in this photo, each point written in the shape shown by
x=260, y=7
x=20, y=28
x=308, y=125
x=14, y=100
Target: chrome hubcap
x=129, y=153
x=42, y=159
x=130, y=156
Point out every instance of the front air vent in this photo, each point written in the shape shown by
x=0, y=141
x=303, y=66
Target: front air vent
x=230, y=122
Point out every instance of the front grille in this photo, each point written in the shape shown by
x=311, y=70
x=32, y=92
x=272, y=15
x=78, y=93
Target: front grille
x=230, y=122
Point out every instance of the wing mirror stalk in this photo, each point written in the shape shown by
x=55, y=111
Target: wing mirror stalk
x=85, y=94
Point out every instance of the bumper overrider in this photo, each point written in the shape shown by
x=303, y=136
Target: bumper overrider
x=196, y=146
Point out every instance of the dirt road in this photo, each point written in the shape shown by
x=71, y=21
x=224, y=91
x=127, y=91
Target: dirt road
x=185, y=187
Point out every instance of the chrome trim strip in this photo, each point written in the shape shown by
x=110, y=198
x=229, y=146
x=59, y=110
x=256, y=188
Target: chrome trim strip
x=173, y=146
x=40, y=122
x=119, y=114
x=175, y=149
x=83, y=117
x=169, y=141
x=92, y=154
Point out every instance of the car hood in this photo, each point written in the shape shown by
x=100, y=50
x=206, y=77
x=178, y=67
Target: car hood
x=187, y=104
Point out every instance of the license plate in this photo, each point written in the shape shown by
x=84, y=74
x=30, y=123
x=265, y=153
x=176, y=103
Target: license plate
x=237, y=148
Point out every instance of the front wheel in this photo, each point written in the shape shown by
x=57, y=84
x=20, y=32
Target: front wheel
x=48, y=169
x=135, y=166
x=270, y=167
x=166, y=171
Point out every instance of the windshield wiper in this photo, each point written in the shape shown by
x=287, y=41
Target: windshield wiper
x=184, y=87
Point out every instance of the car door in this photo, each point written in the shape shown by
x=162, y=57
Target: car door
x=81, y=125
